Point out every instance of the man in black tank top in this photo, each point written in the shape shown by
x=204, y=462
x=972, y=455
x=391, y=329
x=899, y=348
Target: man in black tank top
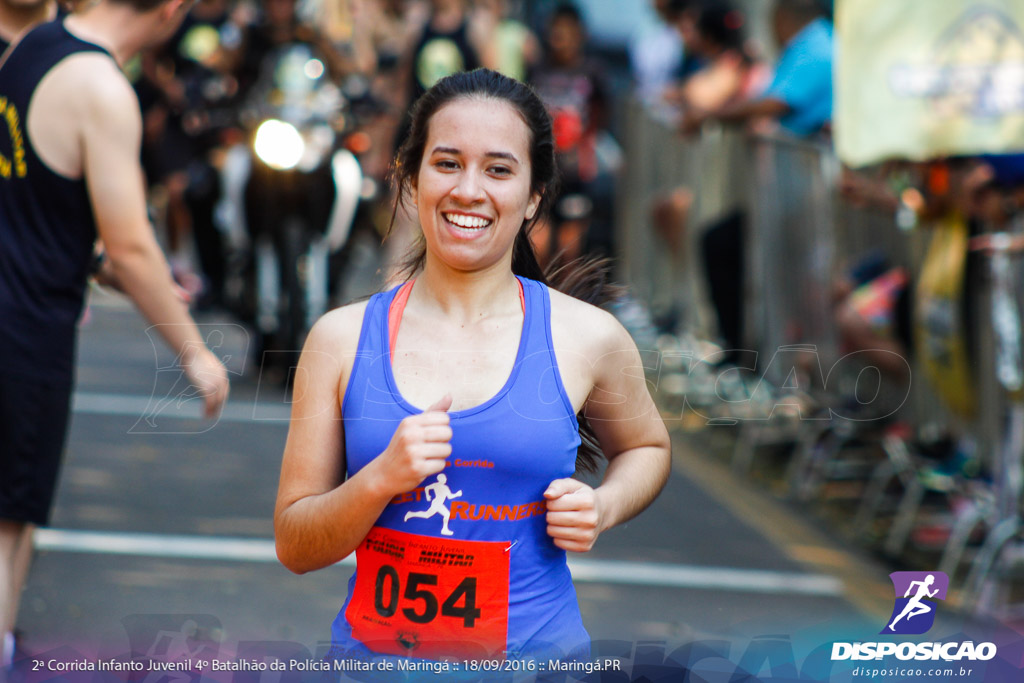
x=69, y=173
x=451, y=42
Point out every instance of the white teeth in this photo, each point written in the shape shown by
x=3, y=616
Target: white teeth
x=469, y=222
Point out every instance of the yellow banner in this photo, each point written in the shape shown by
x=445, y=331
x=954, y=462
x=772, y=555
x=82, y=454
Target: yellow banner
x=919, y=79
x=940, y=330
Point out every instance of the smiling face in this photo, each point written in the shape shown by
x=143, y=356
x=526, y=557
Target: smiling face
x=473, y=190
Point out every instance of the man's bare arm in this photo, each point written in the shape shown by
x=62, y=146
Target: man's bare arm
x=111, y=130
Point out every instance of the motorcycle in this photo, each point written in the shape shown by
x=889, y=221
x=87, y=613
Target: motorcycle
x=291, y=195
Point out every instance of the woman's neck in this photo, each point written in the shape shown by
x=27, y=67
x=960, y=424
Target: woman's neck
x=467, y=295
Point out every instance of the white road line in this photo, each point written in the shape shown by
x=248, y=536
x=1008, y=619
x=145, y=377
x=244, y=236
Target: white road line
x=583, y=570
x=88, y=403
x=718, y=578
x=157, y=545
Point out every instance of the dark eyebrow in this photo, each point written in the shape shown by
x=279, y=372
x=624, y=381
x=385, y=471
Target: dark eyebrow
x=503, y=155
x=496, y=155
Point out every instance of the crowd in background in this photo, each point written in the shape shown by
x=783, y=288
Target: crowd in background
x=383, y=53
x=702, y=66
x=912, y=260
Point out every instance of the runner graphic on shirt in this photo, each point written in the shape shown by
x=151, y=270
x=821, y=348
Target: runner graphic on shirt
x=438, y=494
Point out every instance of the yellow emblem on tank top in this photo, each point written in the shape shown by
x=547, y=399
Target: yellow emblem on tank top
x=17, y=163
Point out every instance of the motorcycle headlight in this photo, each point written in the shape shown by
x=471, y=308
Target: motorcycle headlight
x=313, y=69
x=278, y=144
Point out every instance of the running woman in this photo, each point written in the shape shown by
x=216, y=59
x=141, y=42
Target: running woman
x=476, y=373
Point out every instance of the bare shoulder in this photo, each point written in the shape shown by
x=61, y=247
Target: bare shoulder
x=327, y=359
x=85, y=98
x=590, y=346
x=337, y=331
x=106, y=92
x=585, y=328
x=91, y=78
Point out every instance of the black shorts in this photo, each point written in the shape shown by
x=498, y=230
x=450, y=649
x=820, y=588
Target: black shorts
x=33, y=424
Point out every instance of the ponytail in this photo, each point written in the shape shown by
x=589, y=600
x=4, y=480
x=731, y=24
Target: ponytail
x=587, y=279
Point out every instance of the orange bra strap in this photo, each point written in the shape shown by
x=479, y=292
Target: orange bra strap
x=395, y=313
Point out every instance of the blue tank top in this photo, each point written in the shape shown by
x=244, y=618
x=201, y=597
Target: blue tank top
x=462, y=566
x=47, y=229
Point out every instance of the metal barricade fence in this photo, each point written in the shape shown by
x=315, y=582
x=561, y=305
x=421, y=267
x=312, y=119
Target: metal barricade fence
x=800, y=235
x=658, y=160
x=791, y=252
x=784, y=187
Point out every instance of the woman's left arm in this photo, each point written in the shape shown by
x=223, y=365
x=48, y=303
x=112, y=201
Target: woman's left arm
x=633, y=437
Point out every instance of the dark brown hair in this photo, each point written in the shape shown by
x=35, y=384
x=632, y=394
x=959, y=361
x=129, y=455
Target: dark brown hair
x=584, y=279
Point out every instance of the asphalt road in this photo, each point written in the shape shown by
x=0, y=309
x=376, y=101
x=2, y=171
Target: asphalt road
x=162, y=527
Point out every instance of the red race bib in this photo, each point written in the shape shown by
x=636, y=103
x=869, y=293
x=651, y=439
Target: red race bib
x=420, y=596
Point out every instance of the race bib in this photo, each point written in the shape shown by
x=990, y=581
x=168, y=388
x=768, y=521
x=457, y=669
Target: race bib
x=419, y=596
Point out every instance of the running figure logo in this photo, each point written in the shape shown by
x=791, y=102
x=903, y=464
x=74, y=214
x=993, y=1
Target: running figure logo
x=438, y=494
x=911, y=615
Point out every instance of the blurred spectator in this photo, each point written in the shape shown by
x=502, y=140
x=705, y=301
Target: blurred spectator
x=995, y=194
x=656, y=54
x=1007, y=170
x=452, y=40
x=722, y=71
x=727, y=73
x=18, y=15
x=572, y=86
x=512, y=48
x=683, y=15
x=180, y=80
x=390, y=30
x=872, y=308
x=343, y=23
x=875, y=311
x=800, y=95
x=276, y=24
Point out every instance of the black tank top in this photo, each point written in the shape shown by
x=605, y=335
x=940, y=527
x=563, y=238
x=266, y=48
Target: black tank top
x=47, y=229
x=439, y=54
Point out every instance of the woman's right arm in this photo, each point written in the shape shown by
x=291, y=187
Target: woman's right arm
x=321, y=517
